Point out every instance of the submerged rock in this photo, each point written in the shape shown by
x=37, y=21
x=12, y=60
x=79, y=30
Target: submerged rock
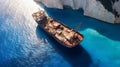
x=108, y=11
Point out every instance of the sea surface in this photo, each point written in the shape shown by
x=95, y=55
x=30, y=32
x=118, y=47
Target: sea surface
x=24, y=44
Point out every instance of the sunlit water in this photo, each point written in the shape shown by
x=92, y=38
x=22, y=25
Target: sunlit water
x=24, y=44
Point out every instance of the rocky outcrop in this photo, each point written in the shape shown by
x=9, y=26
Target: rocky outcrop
x=105, y=10
x=116, y=7
x=52, y=3
x=96, y=10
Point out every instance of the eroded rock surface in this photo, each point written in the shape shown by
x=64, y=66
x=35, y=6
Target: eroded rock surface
x=105, y=10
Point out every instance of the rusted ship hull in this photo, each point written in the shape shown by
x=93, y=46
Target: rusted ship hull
x=60, y=32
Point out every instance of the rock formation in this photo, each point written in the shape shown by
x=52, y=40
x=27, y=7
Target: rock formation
x=116, y=7
x=105, y=10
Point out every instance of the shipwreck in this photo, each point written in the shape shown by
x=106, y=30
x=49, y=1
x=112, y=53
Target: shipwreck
x=59, y=31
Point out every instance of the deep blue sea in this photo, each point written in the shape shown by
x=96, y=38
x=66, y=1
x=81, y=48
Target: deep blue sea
x=24, y=44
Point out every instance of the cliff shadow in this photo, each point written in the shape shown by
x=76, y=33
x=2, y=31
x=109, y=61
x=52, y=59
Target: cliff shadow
x=77, y=56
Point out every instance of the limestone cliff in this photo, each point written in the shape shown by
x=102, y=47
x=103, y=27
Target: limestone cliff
x=105, y=10
x=116, y=7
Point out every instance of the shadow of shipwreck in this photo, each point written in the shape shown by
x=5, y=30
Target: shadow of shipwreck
x=77, y=56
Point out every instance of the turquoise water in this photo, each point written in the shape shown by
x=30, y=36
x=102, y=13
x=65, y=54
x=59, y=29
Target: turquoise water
x=102, y=40
x=24, y=44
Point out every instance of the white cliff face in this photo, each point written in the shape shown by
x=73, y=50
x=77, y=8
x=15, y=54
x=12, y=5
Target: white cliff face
x=116, y=6
x=92, y=8
x=67, y=3
x=52, y=3
x=75, y=4
x=80, y=4
x=95, y=9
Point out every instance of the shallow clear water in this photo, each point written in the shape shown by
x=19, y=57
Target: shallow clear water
x=24, y=44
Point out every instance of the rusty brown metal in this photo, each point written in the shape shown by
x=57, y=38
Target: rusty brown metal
x=60, y=32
